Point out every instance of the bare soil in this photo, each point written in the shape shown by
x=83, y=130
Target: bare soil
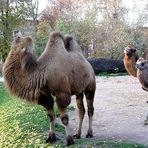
x=120, y=110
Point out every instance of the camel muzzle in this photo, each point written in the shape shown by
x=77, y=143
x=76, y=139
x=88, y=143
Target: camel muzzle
x=140, y=66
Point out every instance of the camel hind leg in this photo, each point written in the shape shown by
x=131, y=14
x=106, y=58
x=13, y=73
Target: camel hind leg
x=90, y=99
x=81, y=112
x=46, y=100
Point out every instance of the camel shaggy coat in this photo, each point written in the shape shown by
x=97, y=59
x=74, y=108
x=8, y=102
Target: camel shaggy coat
x=58, y=71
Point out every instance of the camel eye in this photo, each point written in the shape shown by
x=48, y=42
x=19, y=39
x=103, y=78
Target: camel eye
x=142, y=64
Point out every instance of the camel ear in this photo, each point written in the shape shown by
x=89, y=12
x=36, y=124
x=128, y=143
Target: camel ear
x=141, y=59
x=126, y=49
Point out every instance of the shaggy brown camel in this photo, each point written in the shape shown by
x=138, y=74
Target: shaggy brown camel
x=142, y=72
x=56, y=72
x=130, y=58
x=138, y=69
x=142, y=75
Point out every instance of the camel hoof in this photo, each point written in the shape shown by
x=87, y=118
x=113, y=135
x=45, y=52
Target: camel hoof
x=77, y=136
x=89, y=135
x=51, y=137
x=146, y=122
x=69, y=140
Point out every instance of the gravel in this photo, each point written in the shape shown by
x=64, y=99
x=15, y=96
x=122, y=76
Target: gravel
x=120, y=110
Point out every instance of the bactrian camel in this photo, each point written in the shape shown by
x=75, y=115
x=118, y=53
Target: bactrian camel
x=58, y=71
x=137, y=67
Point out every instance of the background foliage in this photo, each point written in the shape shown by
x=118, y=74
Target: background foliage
x=101, y=27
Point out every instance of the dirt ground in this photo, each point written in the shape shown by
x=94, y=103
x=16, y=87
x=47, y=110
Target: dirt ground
x=120, y=110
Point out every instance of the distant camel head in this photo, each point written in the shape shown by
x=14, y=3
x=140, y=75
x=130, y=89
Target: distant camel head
x=17, y=35
x=142, y=64
x=142, y=72
x=130, y=51
x=130, y=58
x=20, y=49
x=20, y=42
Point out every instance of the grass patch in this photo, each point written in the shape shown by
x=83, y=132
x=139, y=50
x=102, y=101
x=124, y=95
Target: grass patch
x=106, y=144
x=22, y=124
x=26, y=125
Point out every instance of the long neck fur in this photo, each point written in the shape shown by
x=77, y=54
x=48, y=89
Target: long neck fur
x=130, y=63
x=24, y=79
x=23, y=84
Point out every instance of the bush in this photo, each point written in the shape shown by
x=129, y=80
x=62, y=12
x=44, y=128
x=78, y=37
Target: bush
x=40, y=43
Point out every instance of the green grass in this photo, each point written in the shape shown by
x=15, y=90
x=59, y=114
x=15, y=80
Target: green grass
x=106, y=144
x=24, y=125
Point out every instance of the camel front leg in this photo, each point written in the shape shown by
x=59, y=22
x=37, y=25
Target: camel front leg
x=48, y=103
x=63, y=101
x=51, y=136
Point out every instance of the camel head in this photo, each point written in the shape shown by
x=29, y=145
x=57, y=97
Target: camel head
x=142, y=64
x=142, y=72
x=20, y=42
x=129, y=51
x=18, y=65
x=17, y=36
x=19, y=57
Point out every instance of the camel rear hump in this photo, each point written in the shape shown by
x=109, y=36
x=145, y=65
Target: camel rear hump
x=83, y=74
x=71, y=44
